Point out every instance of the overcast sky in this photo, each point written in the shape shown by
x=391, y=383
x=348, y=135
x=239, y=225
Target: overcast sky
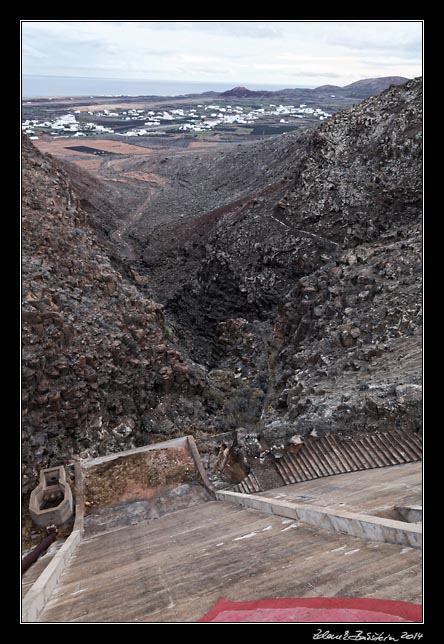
x=288, y=53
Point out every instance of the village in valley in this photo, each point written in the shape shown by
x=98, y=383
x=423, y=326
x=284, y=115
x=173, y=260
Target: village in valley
x=243, y=118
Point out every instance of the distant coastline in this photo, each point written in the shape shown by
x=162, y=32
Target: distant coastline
x=55, y=86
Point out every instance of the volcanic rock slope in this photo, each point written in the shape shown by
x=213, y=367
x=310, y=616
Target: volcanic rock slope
x=288, y=276
x=309, y=287
x=97, y=354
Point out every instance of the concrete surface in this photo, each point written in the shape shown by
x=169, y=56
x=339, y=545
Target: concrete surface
x=52, y=486
x=176, y=568
x=34, y=572
x=40, y=591
x=132, y=512
x=175, y=442
x=354, y=523
x=411, y=513
x=108, y=518
x=367, y=492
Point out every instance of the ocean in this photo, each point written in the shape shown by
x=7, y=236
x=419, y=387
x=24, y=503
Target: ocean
x=53, y=86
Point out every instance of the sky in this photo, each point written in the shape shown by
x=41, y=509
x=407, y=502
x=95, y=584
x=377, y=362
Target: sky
x=291, y=53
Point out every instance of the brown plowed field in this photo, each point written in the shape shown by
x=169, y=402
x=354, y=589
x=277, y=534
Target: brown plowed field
x=60, y=147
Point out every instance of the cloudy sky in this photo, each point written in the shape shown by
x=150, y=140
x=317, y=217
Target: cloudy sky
x=288, y=53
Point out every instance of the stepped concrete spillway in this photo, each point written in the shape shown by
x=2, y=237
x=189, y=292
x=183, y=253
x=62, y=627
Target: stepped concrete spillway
x=176, y=567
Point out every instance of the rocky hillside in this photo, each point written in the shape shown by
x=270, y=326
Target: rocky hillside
x=300, y=201
x=277, y=287
x=309, y=288
x=98, y=356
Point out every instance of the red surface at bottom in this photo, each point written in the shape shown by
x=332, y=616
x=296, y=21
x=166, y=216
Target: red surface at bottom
x=315, y=609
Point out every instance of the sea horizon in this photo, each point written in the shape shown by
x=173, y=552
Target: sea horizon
x=60, y=86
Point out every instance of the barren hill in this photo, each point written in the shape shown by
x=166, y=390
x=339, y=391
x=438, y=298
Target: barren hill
x=371, y=86
x=363, y=88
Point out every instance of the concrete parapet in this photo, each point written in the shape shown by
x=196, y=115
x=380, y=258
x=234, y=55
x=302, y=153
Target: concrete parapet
x=174, y=442
x=39, y=593
x=357, y=524
x=411, y=513
x=199, y=465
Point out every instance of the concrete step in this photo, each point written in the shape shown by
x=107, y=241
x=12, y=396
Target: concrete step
x=329, y=455
x=249, y=485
